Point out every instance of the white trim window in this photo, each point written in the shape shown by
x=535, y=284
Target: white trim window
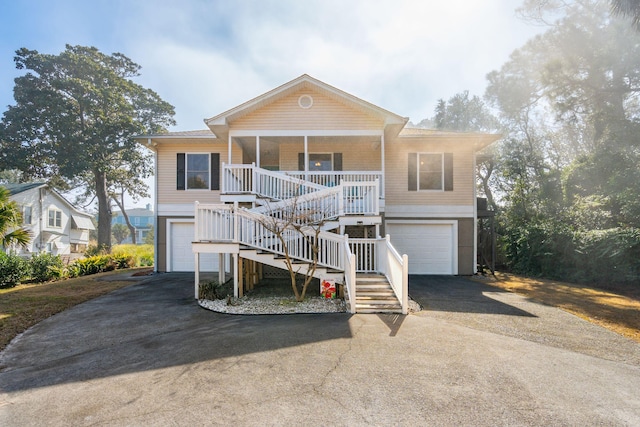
x=198, y=171
x=27, y=215
x=54, y=218
x=430, y=172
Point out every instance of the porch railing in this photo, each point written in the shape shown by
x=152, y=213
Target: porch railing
x=260, y=232
x=244, y=179
x=360, y=190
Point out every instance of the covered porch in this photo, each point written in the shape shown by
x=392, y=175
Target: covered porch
x=321, y=157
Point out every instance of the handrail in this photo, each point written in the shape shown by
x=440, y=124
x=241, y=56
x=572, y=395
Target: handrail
x=396, y=268
x=350, y=274
x=226, y=223
x=253, y=229
x=312, y=207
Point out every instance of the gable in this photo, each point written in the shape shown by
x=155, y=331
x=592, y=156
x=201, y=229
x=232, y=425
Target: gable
x=307, y=109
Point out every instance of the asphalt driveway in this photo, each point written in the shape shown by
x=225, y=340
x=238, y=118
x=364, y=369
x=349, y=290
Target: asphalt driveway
x=149, y=355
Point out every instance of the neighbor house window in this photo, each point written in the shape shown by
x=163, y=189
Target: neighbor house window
x=198, y=171
x=430, y=171
x=26, y=215
x=55, y=218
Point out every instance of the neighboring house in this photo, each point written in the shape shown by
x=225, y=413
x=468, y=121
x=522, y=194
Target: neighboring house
x=418, y=186
x=56, y=226
x=141, y=219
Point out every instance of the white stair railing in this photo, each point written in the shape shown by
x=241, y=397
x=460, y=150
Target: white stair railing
x=312, y=207
x=396, y=269
x=350, y=269
x=224, y=223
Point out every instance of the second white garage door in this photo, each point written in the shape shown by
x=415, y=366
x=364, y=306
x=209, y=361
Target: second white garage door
x=180, y=256
x=430, y=246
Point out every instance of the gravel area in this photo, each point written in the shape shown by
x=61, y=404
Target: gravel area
x=282, y=305
x=274, y=305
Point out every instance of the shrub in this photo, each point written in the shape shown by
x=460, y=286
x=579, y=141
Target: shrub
x=140, y=255
x=212, y=290
x=45, y=267
x=93, y=265
x=12, y=270
x=610, y=255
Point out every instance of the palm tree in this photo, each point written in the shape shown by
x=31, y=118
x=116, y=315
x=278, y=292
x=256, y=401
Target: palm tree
x=630, y=8
x=10, y=222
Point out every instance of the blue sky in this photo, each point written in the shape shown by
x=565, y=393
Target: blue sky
x=205, y=57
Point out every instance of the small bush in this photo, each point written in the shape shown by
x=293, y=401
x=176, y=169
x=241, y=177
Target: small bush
x=212, y=290
x=45, y=267
x=140, y=255
x=94, y=250
x=93, y=265
x=12, y=270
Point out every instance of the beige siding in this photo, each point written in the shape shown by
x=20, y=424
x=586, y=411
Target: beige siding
x=326, y=113
x=167, y=164
x=396, y=163
x=356, y=156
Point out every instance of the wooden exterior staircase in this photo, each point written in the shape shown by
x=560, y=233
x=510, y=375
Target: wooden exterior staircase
x=373, y=273
x=374, y=294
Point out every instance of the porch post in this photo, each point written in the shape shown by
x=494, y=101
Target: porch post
x=197, y=273
x=382, y=166
x=229, y=150
x=258, y=151
x=221, y=268
x=235, y=275
x=306, y=158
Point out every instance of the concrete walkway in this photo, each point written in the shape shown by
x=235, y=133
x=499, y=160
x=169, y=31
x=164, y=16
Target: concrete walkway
x=149, y=355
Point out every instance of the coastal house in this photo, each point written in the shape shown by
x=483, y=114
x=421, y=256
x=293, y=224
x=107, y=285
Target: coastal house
x=55, y=225
x=384, y=190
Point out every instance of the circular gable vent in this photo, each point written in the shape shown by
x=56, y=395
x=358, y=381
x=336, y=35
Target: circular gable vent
x=305, y=101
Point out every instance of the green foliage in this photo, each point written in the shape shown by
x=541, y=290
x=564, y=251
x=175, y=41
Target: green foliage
x=45, y=267
x=570, y=160
x=13, y=269
x=74, y=118
x=138, y=255
x=93, y=250
x=612, y=253
x=120, y=232
x=93, y=265
x=212, y=290
x=149, y=239
x=11, y=231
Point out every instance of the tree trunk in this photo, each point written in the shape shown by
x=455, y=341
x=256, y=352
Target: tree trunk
x=104, y=211
x=132, y=229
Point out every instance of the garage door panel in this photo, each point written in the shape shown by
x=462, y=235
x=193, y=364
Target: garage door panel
x=182, y=257
x=429, y=246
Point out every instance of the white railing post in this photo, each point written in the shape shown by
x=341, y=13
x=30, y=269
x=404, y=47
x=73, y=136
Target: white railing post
x=405, y=284
x=223, y=180
x=341, y=199
x=196, y=221
x=254, y=179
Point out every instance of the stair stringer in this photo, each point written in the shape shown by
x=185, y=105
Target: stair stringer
x=274, y=260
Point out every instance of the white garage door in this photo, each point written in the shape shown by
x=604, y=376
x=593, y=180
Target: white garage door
x=181, y=257
x=430, y=247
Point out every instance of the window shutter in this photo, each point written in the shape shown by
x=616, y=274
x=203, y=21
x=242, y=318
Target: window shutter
x=300, y=161
x=180, y=173
x=215, y=171
x=448, y=171
x=337, y=162
x=413, y=171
